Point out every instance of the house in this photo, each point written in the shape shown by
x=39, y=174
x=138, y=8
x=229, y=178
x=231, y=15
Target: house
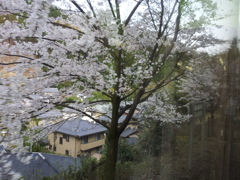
x=130, y=134
x=35, y=166
x=75, y=137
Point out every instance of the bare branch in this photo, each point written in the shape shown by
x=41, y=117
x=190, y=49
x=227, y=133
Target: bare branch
x=161, y=19
x=123, y=110
x=16, y=55
x=177, y=27
x=150, y=12
x=65, y=26
x=128, y=95
x=131, y=111
x=84, y=113
x=162, y=84
x=11, y=63
x=117, y=10
x=77, y=6
x=111, y=7
x=169, y=17
x=133, y=12
x=91, y=7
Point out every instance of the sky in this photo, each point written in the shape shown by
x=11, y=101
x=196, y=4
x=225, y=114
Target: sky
x=229, y=9
x=230, y=24
x=126, y=6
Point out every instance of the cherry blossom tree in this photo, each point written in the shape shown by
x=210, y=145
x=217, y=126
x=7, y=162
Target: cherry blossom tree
x=90, y=49
x=203, y=80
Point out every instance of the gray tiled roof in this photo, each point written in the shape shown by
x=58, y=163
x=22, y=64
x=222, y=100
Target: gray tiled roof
x=35, y=166
x=106, y=118
x=51, y=114
x=79, y=127
x=127, y=132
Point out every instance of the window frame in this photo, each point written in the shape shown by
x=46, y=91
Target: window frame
x=66, y=137
x=60, y=140
x=98, y=136
x=84, y=140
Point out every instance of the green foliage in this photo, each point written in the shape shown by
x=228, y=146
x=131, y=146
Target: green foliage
x=150, y=138
x=97, y=96
x=38, y=146
x=73, y=98
x=65, y=84
x=55, y=12
x=36, y=120
x=45, y=69
x=13, y=17
x=127, y=153
x=124, y=170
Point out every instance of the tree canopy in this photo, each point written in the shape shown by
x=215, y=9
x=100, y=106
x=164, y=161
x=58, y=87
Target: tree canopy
x=91, y=50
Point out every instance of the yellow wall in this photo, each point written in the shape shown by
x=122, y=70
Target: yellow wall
x=74, y=146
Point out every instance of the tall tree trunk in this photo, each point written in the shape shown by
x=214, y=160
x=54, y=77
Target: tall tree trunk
x=111, y=156
x=112, y=142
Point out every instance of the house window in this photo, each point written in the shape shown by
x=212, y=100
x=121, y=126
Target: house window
x=67, y=152
x=85, y=140
x=60, y=140
x=66, y=137
x=98, y=137
x=55, y=148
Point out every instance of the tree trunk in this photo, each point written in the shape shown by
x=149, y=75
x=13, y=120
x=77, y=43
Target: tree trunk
x=111, y=157
x=112, y=142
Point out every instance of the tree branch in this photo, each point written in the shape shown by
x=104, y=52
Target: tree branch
x=161, y=19
x=77, y=6
x=123, y=110
x=118, y=10
x=132, y=12
x=150, y=12
x=149, y=93
x=84, y=113
x=65, y=26
x=91, y=7
x=131, y=111
x=125, y=97
x=111, y=7
x=177, y=27
x=12, y=63
x=170, y=17
x=15, y=55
